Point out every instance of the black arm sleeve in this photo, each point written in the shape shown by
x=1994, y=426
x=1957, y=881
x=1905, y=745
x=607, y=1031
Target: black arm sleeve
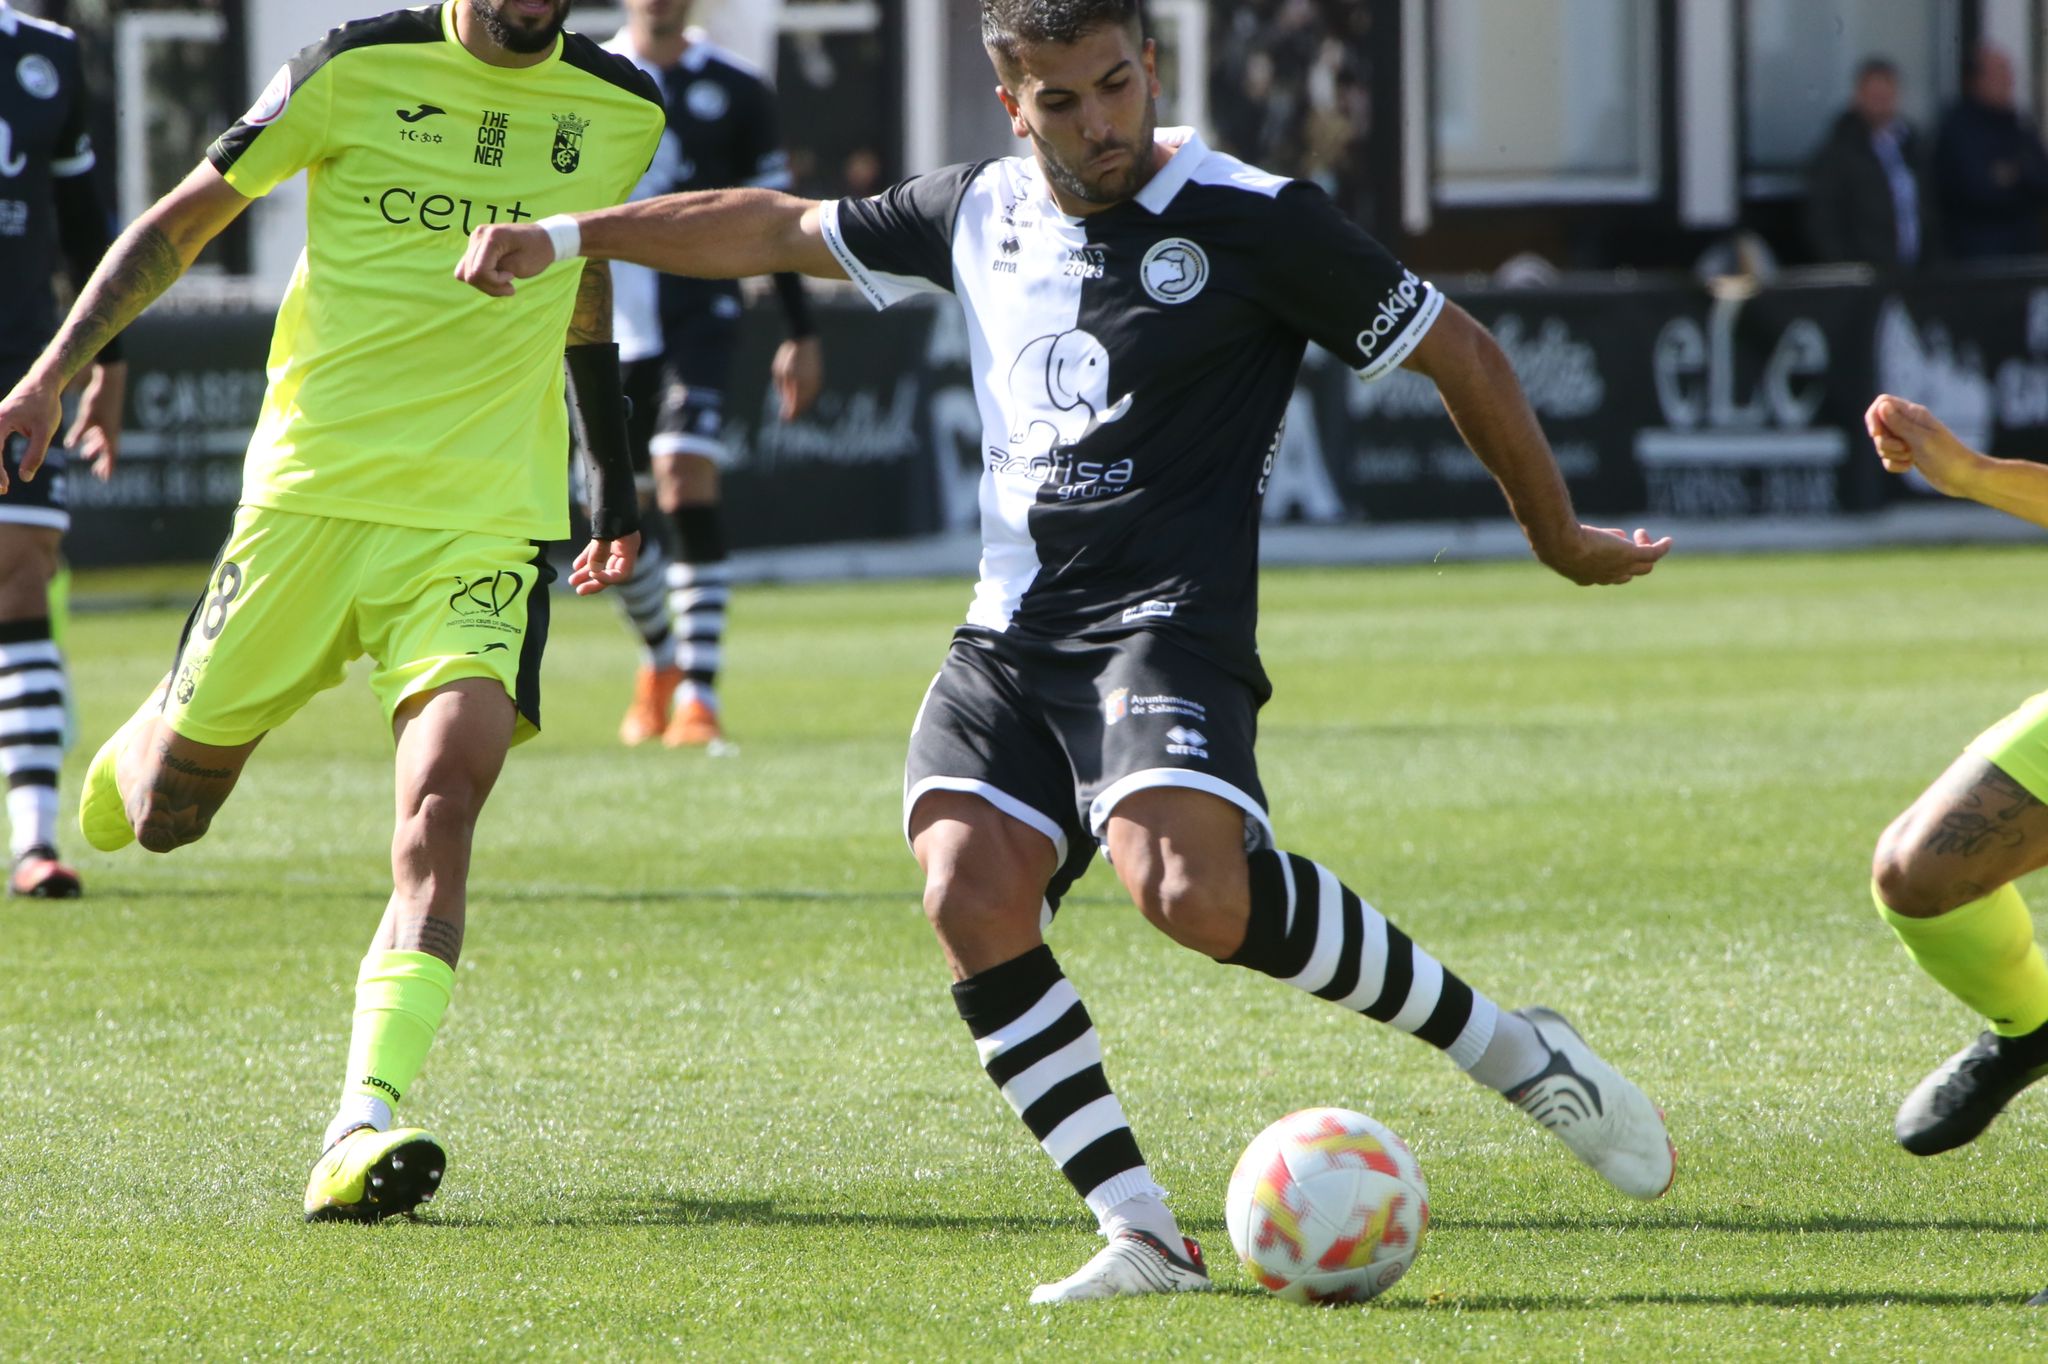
x=1330, y=281
x=597, y=425
x=796, y=305
x=85, y=231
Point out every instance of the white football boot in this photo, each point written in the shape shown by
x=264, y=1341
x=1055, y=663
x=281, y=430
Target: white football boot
x=1133, y=1263
x=1592, y=1108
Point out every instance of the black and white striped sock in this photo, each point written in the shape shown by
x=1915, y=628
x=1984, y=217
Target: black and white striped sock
x=697, y=594
x=644, y=599
x=1313, y=932
x=1039, y=1046
x=33, y=694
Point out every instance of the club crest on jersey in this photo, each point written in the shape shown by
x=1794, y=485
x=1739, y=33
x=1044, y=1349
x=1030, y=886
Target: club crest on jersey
x=38, y=75
x=707, y=100
x=1175, y=270
x=568, y=152
x=270, y=104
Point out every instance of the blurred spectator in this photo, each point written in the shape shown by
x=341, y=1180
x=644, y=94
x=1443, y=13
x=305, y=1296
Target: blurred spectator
x=1867, y=194
x=1290, y=90
x=1990, y=168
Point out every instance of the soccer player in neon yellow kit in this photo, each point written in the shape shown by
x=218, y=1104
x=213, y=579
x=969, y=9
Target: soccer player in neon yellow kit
x=411, y=455
x=1944, y=870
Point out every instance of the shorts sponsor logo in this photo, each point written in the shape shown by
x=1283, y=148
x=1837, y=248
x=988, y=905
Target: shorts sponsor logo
x=1395, y=307
x=271, y=103
x=1183, y=742
x=480, y=603
x=1150, y=610
x=1169, y=705
x=1116, y=705
x=38, y=75
x=1175, y=270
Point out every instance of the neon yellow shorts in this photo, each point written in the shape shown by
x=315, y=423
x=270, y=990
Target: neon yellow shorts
x=2018, y=745
x=294, y=599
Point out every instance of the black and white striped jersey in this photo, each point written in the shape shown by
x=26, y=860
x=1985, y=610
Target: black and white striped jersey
x=44, y=137
x=723, y=133
x=1133, y=369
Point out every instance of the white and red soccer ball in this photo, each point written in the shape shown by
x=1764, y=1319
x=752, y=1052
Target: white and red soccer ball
x=1327, y=1206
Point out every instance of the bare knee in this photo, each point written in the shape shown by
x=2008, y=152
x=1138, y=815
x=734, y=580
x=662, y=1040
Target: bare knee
x=1911, y=880
x=1195, y=911
x=437, y=822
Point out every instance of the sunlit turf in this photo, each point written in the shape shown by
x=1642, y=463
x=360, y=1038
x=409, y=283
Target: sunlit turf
x=705, y=1095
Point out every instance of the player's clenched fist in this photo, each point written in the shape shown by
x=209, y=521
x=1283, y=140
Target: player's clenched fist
x=502, y=253
x=1908, y=436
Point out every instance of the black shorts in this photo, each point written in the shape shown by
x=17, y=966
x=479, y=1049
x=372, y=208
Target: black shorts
x=40, y=503
x=679, y=396
x=1055, y=735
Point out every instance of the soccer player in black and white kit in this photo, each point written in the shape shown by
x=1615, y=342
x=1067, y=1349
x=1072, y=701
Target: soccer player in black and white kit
x=676, y=337
x=1138, y=306
x=49, y=203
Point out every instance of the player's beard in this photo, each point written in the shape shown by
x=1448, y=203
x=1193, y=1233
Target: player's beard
x=1115, y=187
x=511, y=36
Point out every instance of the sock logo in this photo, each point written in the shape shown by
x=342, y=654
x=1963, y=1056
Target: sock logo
x=384, y=1085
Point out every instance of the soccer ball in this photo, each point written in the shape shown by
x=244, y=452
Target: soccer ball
x=1327, y=1206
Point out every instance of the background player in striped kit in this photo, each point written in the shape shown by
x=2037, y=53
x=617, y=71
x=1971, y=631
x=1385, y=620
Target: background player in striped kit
x=49, y=201
x=676, y=337
x=1140, y=306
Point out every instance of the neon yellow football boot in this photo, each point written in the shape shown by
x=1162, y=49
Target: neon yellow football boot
x=370, y=1175
x=102, y=817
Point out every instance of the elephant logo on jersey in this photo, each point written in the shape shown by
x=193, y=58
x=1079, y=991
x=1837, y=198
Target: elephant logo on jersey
x=1059, y=391
x=568, y=152
x=1175, y=270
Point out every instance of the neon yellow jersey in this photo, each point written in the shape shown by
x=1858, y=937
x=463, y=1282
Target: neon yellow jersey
x=397, y=393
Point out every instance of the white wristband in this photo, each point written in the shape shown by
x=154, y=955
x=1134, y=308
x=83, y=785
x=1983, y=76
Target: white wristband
x=564, y=234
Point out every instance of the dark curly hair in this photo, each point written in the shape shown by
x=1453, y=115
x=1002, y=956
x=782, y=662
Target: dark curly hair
x=1005, y=24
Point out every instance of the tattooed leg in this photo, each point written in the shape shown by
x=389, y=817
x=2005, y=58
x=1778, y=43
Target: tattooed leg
x=451, y=747
x=173, y=787
x=1974, y=830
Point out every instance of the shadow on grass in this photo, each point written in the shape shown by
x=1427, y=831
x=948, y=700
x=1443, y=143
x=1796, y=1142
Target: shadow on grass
x=1820, y=1297
x=1761, y=1223
x=755, y=1212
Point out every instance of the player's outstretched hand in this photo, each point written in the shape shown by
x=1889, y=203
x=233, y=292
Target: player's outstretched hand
x=1908, y=436
x=500, y=253
x=604, y=563
x=1603, y=556
x=95, y=434
x=799, y=373
x=32, y=412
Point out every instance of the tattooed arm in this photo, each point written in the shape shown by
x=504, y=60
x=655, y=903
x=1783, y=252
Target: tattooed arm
x=597, y=429
x=145, y=261
x=591, y=324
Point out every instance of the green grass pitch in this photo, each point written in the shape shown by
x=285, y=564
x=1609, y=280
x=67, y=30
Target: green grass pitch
x=705, y=1096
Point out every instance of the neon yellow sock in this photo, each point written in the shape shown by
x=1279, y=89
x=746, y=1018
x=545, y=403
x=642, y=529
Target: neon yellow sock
x=400, y=997
x=60, y=603
x=1984, y=954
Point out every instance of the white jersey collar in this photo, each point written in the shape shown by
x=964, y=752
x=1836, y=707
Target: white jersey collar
x=1189, y=151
